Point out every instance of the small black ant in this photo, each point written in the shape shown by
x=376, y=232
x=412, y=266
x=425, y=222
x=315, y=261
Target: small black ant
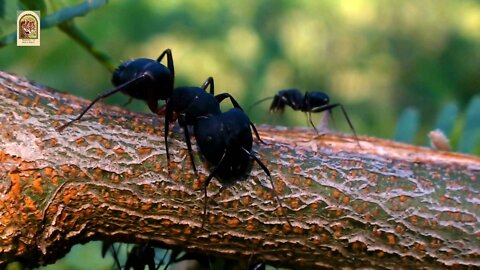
x=187, y=103
x=310, y=102
x=141, y=78
x=225, y=140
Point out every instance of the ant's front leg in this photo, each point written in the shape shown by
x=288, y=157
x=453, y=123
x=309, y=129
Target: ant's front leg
x=170, y=66
x=207, y=83
x=184, y=126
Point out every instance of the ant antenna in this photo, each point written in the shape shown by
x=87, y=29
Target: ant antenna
x=104, y=95
x=258, y=102
x=330, y=107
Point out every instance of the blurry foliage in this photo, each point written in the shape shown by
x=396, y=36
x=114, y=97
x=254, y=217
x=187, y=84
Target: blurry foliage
x=369, y=55
x=58, y=15
x=407, y=125
x=372, y=56
x=465, y=138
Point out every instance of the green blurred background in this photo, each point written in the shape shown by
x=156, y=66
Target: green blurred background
x=376, y=57
x=372, y=56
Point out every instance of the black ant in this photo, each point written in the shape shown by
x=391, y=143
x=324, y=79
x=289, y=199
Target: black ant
x=225, y=140
x=310, y=102
x=138, y=257
x=188, y=103
x=151, y=81
x=141, y=78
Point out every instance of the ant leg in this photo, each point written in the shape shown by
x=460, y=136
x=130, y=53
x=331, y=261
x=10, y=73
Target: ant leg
x=258, y=102
x=209, y=178
x=160, y=263
x=168, y=116
x=256, y=133
x=221, y=97
x=152, y=102
x=330, y=107
x=209, y=82
x=309, y=117
x=173, y=258
x=189, y=146
x=104, y=95
x=151, y=256
x=348, y=120
x=128, y=102
x=267, y=172
x=170, y=66
x=110, y=246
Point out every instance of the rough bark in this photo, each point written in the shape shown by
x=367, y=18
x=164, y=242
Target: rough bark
x=375, y=204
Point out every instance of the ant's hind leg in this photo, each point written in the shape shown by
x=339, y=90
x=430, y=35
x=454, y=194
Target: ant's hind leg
x=207, y=182
x=168, y=116
x=309, y=117
x=256, y=133
x=330, y=107
x=267, y=172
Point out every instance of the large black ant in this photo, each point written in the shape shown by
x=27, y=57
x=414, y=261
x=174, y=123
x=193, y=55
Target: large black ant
x=142, y=78
x=225, y=140
x=188, y=103
x=151, y=81
x=310, y=102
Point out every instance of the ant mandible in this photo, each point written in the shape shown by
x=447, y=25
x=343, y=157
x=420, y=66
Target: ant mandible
x=225, y=140
x=310, y=102
x=142, y=78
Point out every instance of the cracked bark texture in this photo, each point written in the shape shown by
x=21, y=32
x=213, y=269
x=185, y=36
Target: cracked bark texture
x=382, y=205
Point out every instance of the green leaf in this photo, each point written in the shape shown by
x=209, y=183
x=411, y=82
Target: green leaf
x=71, y=29
x=2, y=8
x=471, y=129
x=35, y=5
x=407, y=125
x=59, y=17
x=446, y=118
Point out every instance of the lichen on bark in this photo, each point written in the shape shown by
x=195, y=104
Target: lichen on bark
x=374, y=204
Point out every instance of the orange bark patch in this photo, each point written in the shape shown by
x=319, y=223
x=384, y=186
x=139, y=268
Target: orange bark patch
x=37, y=185
x=16, y=187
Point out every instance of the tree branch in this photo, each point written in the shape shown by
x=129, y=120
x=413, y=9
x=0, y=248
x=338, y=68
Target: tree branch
x=381, y=205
